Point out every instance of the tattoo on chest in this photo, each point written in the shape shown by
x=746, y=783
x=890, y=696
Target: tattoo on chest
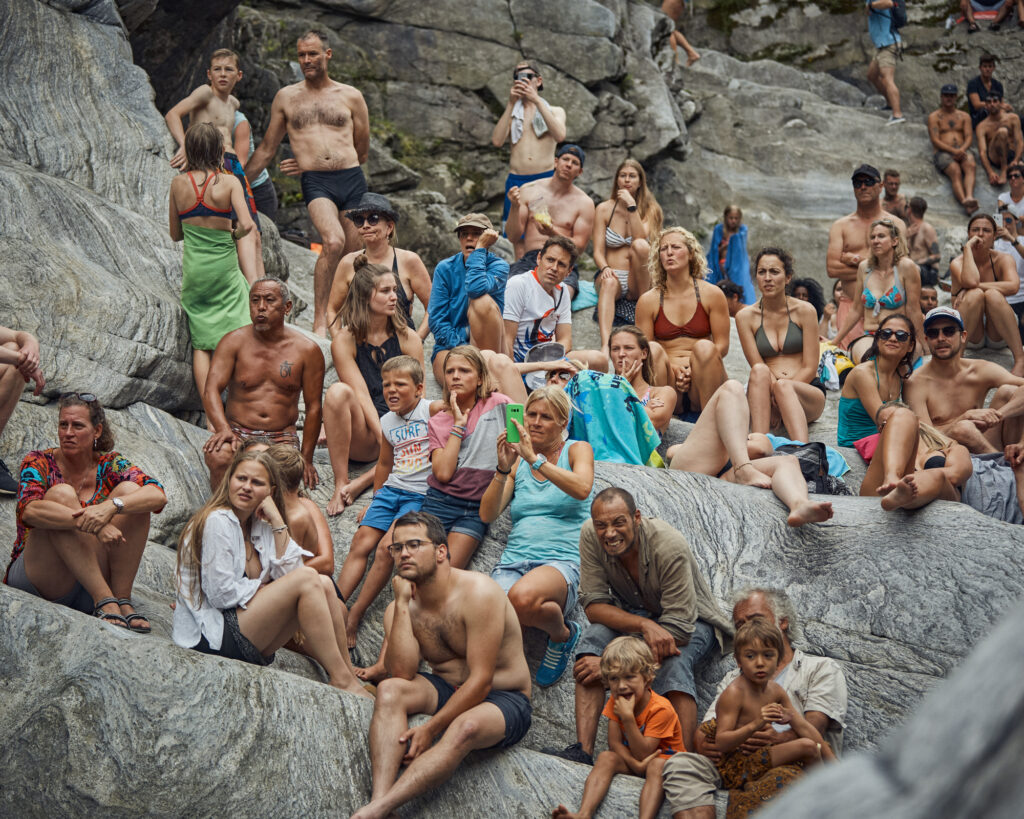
x=286, y=369
x=952, y=124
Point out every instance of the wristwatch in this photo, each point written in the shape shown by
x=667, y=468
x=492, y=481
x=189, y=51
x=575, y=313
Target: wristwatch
x=536, y=465
x=118, y=504
x=631, y=208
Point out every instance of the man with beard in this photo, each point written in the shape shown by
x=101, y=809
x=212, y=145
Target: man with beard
x=328, y=128
x=478, y=690
x=264, y=366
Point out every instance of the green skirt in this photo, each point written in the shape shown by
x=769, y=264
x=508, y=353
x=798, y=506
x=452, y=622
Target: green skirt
x=214, y=292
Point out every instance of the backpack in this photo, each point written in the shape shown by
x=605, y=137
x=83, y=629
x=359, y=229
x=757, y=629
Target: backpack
x=814, y=465
x=898, y=14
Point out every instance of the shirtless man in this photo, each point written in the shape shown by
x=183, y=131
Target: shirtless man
x=848, y=241
x=923, y=241
x=892, y=200
x=1000, y=142
x=535, y=128
x=264, y=367
x=478, y=694
x=328, y=127
x=552, y=206
x=951, y=134
x=19, y=364
x=215, y=104
x=982, y=279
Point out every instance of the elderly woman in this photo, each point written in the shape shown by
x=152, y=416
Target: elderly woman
x=550, y=501
x=375, y=219
x=83, y=518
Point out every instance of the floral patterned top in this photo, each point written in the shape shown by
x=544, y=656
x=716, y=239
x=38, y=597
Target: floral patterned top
x=39, y=472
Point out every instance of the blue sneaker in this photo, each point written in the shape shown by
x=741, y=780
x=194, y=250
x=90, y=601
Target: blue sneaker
x=557, y=657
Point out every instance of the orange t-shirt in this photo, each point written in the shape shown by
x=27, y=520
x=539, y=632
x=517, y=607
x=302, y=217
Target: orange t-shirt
x=659, y=720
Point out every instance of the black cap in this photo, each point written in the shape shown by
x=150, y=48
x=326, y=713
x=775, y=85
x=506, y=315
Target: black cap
x=571, y=148
x=869, y=171
x=949, y=88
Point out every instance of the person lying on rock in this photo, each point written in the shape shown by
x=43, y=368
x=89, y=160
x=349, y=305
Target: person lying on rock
x=643, y=730
x=19, y=364
x=719, y=445
x=264, y=367
x=83, y=518
x=242, y=590
x=638, y=576
x=478, y=690
x=815, y=686
x=548, y=496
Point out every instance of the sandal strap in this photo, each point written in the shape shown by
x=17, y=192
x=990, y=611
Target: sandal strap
x=106, y=615
x=106, y=601
x=125, y=601
x=135, y=616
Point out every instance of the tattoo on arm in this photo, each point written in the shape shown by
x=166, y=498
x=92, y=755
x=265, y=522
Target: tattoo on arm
x=286, y=369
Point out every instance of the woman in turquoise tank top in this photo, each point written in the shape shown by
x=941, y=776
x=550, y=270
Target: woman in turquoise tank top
x=549, y=482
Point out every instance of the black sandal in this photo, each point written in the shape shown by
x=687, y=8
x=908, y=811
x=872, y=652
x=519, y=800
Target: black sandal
x=107, y=616
x=973, y=27
x=128, y=618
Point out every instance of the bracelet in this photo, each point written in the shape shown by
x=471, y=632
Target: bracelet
x=459, y=432
x=501, y=471
x=280, y=529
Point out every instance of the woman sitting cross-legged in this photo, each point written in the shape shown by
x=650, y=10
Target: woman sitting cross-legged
x=550, y=501
x=83, y=518
x=242, y=589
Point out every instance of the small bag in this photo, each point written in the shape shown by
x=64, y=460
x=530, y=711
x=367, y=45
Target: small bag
x=813, y=458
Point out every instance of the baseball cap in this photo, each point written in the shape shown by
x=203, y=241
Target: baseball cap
x=937, y=313
x=571, y=148
x=869, y=171
x=477, y=220
x=948, y=88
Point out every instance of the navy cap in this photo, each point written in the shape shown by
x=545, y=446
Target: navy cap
x=949, y=88
x=869, y=171
x=571, y=148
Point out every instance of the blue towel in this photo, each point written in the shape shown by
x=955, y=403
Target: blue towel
x=608, y=414
x=837, y=465
x=586, y=296
x=737, y=262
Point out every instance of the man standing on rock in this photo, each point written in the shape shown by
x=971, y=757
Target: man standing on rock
x=328, y=127
x=478, y=689
x=535, y=128
x=888, y=49
x=265, y=367
x=19, y=364
x=638, y=576
x=552, y=207
x=951, y=134
x=815, y=685
x=848, y=240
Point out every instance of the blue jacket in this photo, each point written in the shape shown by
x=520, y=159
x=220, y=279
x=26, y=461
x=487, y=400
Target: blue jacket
x=455, y=283
x=737, y=262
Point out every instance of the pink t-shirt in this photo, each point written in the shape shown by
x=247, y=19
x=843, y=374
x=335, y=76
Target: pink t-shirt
x=478, y=453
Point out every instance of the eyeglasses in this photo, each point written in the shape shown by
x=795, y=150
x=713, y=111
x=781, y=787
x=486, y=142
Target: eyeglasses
x=525, y=76
x=863, y=182
x=948, y=330
x=87, y=397
x=395, y=549
x=885, y=334
x=563, y=375
x=371, y=219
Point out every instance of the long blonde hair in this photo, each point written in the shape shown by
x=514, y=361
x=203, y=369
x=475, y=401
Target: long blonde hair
x=646, y=205
x=474, y=357
x=698, y=264
x=190, y=543
x=898, y=252
x=355, y=313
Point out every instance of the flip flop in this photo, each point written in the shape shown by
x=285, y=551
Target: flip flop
x=128, y=618
x=973, y=27
x=107, y=616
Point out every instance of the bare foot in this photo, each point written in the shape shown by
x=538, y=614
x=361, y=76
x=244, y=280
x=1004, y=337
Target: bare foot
x=354, y=687
x=372, y=673
x=901, y=494
x=372, y=811
x=1018, y=368
x=562, y=812
x=749, y=475
x=810, y=512
x=352, y=630
x=340, y=500
x=970, y=205
x=321, y=439
x=692, y=58
x=886, y=486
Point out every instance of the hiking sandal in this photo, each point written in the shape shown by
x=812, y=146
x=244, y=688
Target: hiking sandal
x=107, y=616
x=126, y=601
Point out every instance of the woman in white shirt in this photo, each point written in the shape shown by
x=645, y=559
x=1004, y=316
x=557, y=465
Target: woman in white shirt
x=229, y=553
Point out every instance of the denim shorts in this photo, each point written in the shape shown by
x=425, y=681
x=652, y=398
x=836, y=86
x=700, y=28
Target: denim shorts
x=507, y=575
x=456, y=514
x=515, y=707
x=388, y=505
x=675, y=673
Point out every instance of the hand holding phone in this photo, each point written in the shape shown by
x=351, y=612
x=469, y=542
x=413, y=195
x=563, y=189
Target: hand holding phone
x=513, y=412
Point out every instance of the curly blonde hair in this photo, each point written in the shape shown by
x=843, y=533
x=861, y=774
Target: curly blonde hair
x=628, y=655
x=698, y=264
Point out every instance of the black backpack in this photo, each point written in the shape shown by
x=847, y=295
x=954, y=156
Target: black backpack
x=813, y=460
x=898, y=14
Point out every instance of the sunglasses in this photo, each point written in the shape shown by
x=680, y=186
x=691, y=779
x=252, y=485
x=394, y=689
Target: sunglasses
x=948, y=330
x=87, y=397
x=562, y=375
x=863, y=182
x=885, y=334
x=525, y=76
x=371, y=219
x=1015, y=176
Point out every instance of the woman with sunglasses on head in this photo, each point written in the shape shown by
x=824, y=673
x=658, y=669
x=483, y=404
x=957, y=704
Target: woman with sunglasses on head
x=372, y=331
x=779, y=336
x=375, y=219
x=888, y=281
x=83, y=518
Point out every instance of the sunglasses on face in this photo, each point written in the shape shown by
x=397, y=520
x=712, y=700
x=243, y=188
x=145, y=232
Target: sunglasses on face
x=1014, y=176
x=371, y=219
x=947, y=330
x=863, y=182
x=885, y=334
x=524, y=76
x=563, y=375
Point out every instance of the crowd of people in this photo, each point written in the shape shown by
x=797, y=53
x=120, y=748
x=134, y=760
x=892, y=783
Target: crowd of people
x=523, y=417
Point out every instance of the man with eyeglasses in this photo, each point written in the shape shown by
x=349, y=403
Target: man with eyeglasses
x=478, y=690
x=848, y=241
x=951, y=134
x=535, y=128
x=19, y=364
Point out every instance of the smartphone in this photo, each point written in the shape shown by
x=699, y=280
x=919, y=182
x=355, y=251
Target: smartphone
x=513, y=412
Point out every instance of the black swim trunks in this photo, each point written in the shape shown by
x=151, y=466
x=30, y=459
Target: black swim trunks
x=515, y=707
x=344, y=188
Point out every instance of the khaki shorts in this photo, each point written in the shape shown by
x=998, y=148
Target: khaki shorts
x=690, y=781
x=886, y=56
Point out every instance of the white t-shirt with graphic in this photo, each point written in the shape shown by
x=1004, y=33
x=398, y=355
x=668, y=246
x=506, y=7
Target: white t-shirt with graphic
x=537, y=311
x=407, y=435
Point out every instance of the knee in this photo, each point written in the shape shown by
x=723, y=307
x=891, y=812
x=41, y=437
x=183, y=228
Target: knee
x=465, y=731
x=1004, y=393
x=220, y=458
x=732, y=388
x=962, y=431
x=391, y=694
x=307, y=576
x=759, y=446
x=482, y=307
x=655, y=767
x=334, y=246
x=641, y=249
x=705, y=352
x=808, y=747
x=993, y=298
x=524, y=599
x=498, y=363
x=327, y=585
x=338, y=395
x=784, y=386
x=900, y=417
x=64, y=494
x=760, y=375
x=606, y=759
x=968, y=162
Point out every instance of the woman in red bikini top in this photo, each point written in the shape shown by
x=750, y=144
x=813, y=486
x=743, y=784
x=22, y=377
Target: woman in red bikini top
x=687, y=317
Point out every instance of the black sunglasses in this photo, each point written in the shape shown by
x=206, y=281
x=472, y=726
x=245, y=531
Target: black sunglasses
x=526, y=76
x=1015, y=176
x=948, y=330
x=371, y=219
x=885, y=334
x=87, y=397
x=863, y=182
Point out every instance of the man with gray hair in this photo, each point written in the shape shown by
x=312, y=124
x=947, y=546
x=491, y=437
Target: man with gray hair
x=264, y=366
x=815, y=685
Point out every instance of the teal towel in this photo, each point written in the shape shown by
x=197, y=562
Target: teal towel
x=586, y=297
x=608, y=414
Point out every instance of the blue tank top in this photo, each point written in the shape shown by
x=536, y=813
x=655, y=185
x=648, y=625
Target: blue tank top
x=546, y=522
x=854, y=422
